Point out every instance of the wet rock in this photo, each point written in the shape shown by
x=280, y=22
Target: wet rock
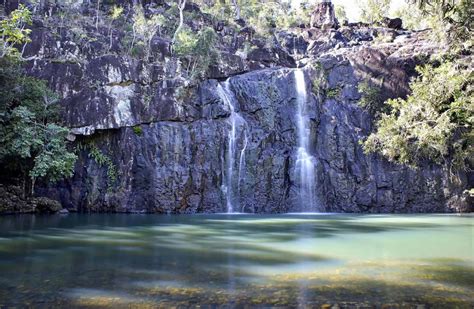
x=292, y=43
x=177, y=161
x=46, y=205
x=13, y=200
x=63, y=211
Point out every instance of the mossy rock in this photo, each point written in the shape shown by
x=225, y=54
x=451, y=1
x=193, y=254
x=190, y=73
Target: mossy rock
x=46, y=205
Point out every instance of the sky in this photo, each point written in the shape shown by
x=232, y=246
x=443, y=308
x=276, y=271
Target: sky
x=352, y=9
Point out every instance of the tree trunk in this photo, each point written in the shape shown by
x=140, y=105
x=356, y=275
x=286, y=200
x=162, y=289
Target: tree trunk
x=181, y=6
x=237, y=9
x=97, y=15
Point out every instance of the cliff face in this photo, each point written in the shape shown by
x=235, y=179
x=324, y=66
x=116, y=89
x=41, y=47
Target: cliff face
x=170, y=147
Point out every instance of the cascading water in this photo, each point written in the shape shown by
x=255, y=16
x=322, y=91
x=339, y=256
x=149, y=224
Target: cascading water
x=305, y=165
x=236, y=133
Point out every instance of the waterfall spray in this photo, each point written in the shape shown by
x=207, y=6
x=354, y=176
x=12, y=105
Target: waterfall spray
x=305, y=165
x=238, y=126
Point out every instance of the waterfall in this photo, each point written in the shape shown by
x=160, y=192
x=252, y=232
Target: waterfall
x=234, y=156
x=305, y=164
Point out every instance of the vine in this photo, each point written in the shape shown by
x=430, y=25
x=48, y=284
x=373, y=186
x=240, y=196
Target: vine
x=102, y=160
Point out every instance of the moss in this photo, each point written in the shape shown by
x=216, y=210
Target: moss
x=138, y=130
x=333, y=93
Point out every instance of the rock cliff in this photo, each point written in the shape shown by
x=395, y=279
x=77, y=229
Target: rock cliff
x=166, y=141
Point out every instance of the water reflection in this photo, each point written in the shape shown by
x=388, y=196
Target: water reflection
x=287, y=260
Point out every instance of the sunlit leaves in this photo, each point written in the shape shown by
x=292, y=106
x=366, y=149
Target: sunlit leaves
x=373, y=11
x=116, y=12
x=435, y=122
x=13, y=31
x=451, y=19
x=199, y=49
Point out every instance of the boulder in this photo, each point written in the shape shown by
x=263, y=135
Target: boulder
x=46, y=205
x=393, y=23
x=323, y=15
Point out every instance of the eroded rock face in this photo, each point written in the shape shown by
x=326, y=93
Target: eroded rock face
x=14, y=201
x=179, y=166
x=167, y=142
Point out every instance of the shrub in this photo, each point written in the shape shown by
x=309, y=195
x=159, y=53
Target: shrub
x=138, y=130
x=371, y=98
x=198, y=49
x=433, y=123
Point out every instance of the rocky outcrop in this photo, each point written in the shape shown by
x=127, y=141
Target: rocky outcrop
x=14, y=202
x=178, y=166
x=166, y=141
x=324, y=16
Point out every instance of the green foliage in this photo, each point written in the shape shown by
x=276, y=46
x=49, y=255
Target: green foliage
x=54, y=161
x=138, y=50
x=319, y=78
x=199, y=49
x=138, y=130
x=435, y=122
x=116, y=12
x=220, y=10
x=373, y=11
x=145, y=28
x=32, y=141
x=266, y=16
x=371, y=98
x=340, y=12
x=412, y=17
x=13, y=31
x=103, y=160
x=450, y=19
x=333, y=93
x=263, y=16
x=186, y=41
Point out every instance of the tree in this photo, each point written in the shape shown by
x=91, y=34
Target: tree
x=453, y=18
x=97, y=15
x=145, y=28
x=13, y=31
x=373, y=11
x=340, y=12
x=236, y=8
x=435, y=122
x=115, y=13
x=181, y=6
x=198, y=50
x=412, y=17
x=33, y=143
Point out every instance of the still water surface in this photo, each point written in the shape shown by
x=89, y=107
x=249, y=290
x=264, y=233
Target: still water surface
x=237, y=260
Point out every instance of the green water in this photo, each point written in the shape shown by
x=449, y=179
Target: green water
x=149, y=261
